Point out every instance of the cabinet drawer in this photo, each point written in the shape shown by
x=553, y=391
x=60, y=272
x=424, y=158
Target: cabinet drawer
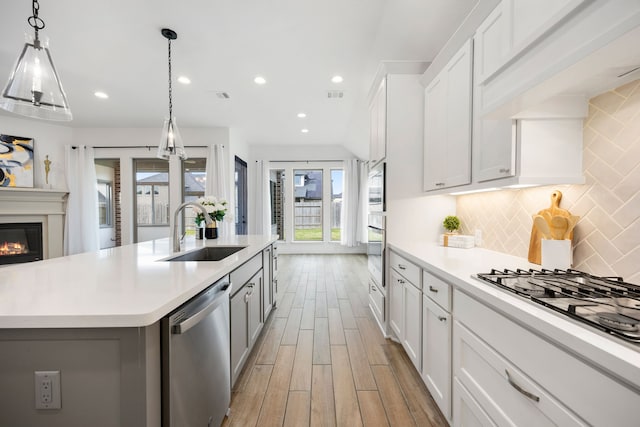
x=437, y=289
x=407, y=269
x=598, y=398
x=507, y=395
x=246, y=271
x=466, y=411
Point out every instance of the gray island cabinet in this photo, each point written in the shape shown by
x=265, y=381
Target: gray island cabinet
x=95, y=319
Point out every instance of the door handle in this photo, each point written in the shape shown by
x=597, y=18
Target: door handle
x=526, y=393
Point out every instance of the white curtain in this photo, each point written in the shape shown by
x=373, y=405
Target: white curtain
x=351, y=214
x=217, y=185
x=262, y=199
x=81, y=231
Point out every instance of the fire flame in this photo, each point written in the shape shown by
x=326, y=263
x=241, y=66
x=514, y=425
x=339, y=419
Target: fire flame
x=13, y=248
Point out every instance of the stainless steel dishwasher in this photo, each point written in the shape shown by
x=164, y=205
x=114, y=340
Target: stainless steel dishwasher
x=196, y=366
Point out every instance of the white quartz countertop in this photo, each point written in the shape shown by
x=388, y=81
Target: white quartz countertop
x=128, y=286
x=457, y=266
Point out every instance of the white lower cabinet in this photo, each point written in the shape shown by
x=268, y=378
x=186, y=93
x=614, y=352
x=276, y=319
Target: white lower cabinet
x=467, y=412
x=377, y=303
x=519, y=378
x=396, y=289
x=412, y=337
x=436, y=353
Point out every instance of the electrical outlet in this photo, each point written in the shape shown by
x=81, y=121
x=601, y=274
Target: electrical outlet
x=47, y=389
x=478, y=237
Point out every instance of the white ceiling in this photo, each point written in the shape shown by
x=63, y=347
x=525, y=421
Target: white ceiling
x=115, y=46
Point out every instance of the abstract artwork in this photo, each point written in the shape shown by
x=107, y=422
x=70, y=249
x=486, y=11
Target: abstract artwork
x=16, y=161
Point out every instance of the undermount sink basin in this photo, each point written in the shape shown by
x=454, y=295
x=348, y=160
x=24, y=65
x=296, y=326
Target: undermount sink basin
x=209, y=253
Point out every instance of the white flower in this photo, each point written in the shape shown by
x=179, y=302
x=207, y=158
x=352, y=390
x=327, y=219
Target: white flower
x=209, y=208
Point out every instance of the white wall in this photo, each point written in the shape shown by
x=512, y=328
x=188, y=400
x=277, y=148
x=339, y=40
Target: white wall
x=49, y=139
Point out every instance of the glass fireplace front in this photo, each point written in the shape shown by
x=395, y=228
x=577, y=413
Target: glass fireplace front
x=20, y=242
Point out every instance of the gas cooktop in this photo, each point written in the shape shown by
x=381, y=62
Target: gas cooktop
x=606, y=303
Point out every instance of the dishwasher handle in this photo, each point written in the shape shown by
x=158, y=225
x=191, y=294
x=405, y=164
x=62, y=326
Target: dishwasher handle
x=193, y=320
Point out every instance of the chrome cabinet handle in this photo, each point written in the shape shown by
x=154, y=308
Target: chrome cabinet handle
x=504, y=170
x=373, y=288
x=402, y=267
x=442, y=318
x=439, y=184
x=401, y=281
x=520, y=389
x=432, y=289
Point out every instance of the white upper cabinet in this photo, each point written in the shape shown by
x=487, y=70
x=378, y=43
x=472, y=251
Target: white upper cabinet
x=447, y=132
x=532, y=51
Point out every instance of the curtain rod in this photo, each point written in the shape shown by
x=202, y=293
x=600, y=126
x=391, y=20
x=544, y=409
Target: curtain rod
x=302, y=161
x=148, y=147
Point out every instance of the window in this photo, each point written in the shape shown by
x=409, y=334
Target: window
x=308, y=204
x=194, y=179
x=336, y=203
x=152, y=192
x=105, y=203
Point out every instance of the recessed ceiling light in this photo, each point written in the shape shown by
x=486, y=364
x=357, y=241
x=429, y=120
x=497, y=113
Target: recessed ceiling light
x=302, y=115
x=305, y=131
x=184, y=80
x=101, y=95
x=337, y=79
x=260, y=80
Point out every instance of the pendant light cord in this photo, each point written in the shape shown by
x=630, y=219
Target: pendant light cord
x=34, y=21
x=170, y=87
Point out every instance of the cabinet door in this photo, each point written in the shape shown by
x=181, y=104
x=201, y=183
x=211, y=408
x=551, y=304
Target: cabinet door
x=491, y=44
x=466, y=411
x=267, y=282
x=434, y=133
x=395, y=300
x=458, y=117
x=411, y=341
x=239, y=313
x=254, y=297
x=436, y=353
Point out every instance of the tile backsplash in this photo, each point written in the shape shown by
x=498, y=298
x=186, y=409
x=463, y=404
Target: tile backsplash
x=607, y=237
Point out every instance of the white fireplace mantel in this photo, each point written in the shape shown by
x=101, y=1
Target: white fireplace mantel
x=37, y=205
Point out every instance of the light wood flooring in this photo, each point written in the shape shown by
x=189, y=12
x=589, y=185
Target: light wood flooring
x=321, y=359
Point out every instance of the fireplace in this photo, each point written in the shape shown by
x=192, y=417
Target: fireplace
x=20, y=242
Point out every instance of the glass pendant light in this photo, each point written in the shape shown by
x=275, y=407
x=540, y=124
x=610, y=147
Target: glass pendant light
x=171, y=141
x=34, y=89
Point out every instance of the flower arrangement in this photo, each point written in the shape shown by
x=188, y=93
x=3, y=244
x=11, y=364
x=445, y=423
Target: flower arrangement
x=216, y=209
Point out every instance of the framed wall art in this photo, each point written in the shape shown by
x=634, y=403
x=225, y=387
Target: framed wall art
x=16, y=161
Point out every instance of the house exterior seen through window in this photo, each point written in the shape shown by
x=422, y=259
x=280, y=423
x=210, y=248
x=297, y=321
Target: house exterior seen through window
x=152, y=192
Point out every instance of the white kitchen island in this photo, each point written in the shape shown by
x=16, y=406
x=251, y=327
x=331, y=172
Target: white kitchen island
x=95, y=318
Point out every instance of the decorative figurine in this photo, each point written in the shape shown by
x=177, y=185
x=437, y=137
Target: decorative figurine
x=47, y=169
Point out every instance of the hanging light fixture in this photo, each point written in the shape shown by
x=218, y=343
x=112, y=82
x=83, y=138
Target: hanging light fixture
x=34, y=89
x=171, y=141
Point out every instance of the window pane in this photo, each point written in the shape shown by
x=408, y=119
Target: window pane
x=194, y=182
x=308, y=204
x=105, y=203
x=152, y=192
x=336, y=203
x=277, y=201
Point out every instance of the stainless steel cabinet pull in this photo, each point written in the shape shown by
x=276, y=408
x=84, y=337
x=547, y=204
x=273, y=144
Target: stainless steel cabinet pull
x=400, y=281
x=402, y=267
x=442, y=318
x=520, y=389
x=439, y=184
x=373, y=288
x=504, y=170
x=432, y=289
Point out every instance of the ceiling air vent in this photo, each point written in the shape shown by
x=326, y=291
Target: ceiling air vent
x=628, y=72
x=337, y=94
x=222, y=95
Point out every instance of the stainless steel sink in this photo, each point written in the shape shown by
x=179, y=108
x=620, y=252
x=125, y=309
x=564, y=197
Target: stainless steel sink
x=209, y=253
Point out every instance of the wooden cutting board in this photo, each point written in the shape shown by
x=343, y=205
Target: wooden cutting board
x=549, y=214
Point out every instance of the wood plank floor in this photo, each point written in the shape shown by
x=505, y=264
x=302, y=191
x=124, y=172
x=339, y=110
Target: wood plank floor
x=321, y=359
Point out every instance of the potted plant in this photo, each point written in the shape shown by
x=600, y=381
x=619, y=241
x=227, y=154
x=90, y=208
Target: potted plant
x=451, y=223
x=217, y=209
